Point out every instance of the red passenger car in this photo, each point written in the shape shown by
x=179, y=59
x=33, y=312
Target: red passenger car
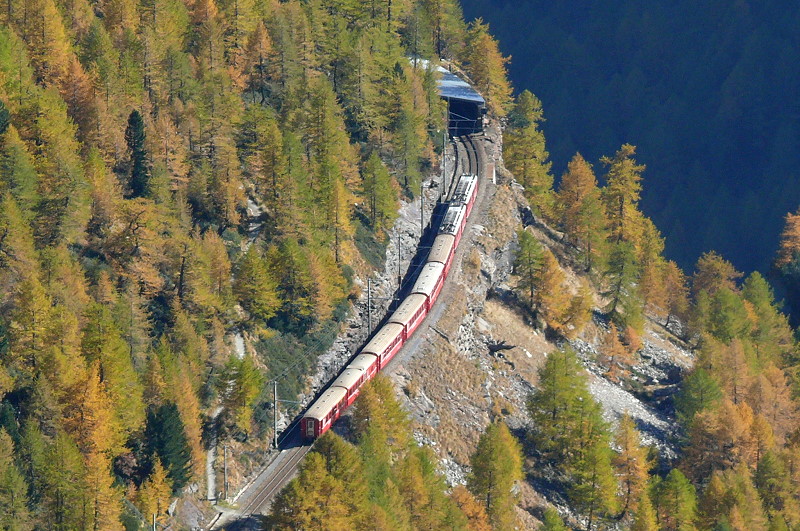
x=442, y=251
x=410, y=314
x=430, y=283
x=385, y=343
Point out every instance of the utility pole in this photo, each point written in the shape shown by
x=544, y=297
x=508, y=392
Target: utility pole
x=369, y=306
x=225, y=470
x=421, y=210
x=444, y=164
x=275, y=414
x=154, y=522
x=399, y=275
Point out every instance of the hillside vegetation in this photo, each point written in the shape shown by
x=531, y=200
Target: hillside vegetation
x=174, y=173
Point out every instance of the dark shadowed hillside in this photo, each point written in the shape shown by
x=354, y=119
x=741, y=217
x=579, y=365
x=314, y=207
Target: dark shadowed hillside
x=708, y=94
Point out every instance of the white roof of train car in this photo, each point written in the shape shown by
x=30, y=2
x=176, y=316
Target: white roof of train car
x=452, y=219
x=407, y=309
x=466, y=183
x=325, y=403
x=430, y=275
x=348, y=378
x=382, y=339
x=441, y=247
x=363, y=361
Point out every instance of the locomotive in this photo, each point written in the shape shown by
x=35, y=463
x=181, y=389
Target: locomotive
x=391, y=337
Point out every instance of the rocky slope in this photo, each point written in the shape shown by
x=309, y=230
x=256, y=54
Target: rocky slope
x=453, y=385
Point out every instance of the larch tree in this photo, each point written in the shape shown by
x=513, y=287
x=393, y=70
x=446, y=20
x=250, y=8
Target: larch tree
x=631, y=465
x=496, y=466
x=487, y=66
x=676, y=291
x=551, y=299
x=14, y=513
x=790, y=240
x=622, y=275
x=712, y=273
x=581, y=211
x=379, y=192
x=155, y=494
x=621, y=194
x=525, y=153
x=528, y=262
x=255, y=287
x=675, y=501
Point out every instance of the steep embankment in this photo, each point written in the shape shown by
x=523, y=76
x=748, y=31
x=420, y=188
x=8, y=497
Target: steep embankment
x=458, y=380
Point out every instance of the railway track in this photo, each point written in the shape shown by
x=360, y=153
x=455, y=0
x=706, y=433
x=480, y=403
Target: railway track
x=257, y=498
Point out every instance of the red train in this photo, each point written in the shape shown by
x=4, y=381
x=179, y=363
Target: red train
x=404, y=321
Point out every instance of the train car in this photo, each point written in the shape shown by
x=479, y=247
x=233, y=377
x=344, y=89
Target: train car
x=410, y=314
x=453, y=222
x=385, y=343
x=350, y=380
x=442, y=251
x=369, y=363
x=430, y=283
x=324, y=412
x=466, y=191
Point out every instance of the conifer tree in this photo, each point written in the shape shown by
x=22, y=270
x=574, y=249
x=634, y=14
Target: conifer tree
x=631, y=465
x=621, y=194
x=593, y=488
x=700, y=391
x=255, y=287
x=166, y=440
x=14, y=513
x=625, y=305
x=676, y=291
x=525, y=154
x=487, y=66
x=155, y=494
x=314, y=500
x=239, y=386
x=675, y=501
x=380, y=195
x=615, y=352
x=552, y=521
x=496, y=466
x=476, y=515
x=528, y=263
x=581, y=211
x=712, y=273
x=140, y=171
x=551, y=299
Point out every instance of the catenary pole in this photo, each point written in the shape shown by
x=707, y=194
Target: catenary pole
x=275, y=414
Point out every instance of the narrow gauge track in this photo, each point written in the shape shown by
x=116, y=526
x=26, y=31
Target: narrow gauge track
x=256, y=499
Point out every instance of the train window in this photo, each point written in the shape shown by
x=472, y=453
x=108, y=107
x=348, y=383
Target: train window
x=310, y=428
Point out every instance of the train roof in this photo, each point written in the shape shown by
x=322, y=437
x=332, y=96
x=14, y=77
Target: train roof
x=363, y=361
x=466, y=184
x=320, y=409
x=441, y=247
x=452, y=219
x=348, y=378
x=382, y=339
x=430, y=275
x=407, y=309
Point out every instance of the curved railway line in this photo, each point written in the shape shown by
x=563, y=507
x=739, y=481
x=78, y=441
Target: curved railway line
x=255, y=499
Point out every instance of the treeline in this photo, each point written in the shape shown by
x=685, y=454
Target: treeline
x=170, y=172
x=737, y=407
x=386, y=481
